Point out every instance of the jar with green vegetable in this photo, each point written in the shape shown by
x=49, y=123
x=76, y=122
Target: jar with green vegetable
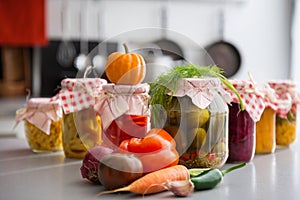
x=203, y=123
x=193, y=102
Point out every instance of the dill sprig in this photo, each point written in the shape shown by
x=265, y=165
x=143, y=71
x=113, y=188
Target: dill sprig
x=166, y=83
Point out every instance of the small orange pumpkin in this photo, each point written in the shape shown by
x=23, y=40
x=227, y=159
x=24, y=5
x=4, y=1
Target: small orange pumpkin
x=125, y=68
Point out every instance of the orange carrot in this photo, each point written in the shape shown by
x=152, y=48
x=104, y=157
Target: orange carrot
x=155, y=182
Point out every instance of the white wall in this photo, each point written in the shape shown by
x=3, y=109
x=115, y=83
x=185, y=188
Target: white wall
x=259, y=28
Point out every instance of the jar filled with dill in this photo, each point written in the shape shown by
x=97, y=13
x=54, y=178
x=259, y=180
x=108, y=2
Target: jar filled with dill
x=193, y=103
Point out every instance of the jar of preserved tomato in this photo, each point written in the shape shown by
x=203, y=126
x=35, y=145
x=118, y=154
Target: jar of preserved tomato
x=124, y=112
x=43, y=124
x=198, y=120
x=265, y=127
x=286, y=119
x=242, y=123
x=81, y=124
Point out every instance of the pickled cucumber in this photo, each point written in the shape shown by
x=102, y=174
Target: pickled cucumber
x=199, y=138
x=197, y=118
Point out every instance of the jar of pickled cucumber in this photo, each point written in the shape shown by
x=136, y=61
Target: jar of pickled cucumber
x=265, y=127
x=43, y=124
x=197, y=118
x=242, y=123
x=286, y=121
x=82, y=128
x=124, y=112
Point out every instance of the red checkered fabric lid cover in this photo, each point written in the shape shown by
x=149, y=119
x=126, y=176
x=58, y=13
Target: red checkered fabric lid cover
x=252, y=98
x=280, y=105
x=79, y=94
x=286, y=89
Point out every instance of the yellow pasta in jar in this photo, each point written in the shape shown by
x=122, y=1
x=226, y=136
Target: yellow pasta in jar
x=39, y=141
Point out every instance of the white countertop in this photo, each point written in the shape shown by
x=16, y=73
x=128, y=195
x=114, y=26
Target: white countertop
x=28, y=176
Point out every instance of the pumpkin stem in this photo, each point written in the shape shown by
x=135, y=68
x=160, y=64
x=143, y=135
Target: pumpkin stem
x=125, y=47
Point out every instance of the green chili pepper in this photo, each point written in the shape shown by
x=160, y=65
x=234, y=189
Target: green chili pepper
x=208, y=179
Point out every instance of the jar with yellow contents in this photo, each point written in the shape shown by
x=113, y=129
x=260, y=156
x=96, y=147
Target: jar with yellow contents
x=43, y=124
x=81, y=124
x=286, y=121
x=266, y=126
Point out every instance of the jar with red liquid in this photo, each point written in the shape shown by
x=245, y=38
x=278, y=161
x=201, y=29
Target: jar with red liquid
x=242, y=123
x=124, y=112
x=286, y=121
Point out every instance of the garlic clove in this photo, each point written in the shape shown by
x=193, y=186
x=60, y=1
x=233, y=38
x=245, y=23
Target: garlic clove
x=181, y=188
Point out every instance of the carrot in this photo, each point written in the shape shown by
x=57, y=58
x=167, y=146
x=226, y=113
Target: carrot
x=154, y=182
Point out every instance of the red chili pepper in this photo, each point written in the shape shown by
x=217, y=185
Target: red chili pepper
x=156, y=150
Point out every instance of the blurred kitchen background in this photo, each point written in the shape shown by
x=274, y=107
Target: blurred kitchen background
x=40, y=40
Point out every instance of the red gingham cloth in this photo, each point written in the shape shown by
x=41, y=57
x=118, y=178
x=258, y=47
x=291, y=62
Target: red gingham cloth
x=40, y=112
x=252, y=98
x=286, y=89
x=201, y=91
x=79, y=94
x=117, y=100
x=280, y=105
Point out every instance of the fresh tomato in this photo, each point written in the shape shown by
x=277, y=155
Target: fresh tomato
x=157, y=150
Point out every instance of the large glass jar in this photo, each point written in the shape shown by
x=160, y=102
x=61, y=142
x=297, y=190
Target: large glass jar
x=198, y=120
x=81, y=124
x=43, y=124
x=242, y=123
x=124, y=112
x=286, y=120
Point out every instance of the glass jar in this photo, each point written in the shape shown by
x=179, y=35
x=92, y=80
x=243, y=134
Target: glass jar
x=81, y=124
x=124, y=112
x=286, y=120
x=43, y=124
x=198, y=120
x=265, y=132
x=265, y=127
x=242, y=123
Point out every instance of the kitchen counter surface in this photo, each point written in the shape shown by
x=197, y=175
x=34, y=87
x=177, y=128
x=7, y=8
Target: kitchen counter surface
x=28, y=176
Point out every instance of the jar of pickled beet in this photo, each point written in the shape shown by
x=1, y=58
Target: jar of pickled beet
x=43, y=124
x=124, y=112
x=198, y=120
x=81, y=124
x=242, y=123
x=286, y=120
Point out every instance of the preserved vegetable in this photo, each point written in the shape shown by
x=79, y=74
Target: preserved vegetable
x=81, y=124
x=43, y=124
x=124, y=112
x=199, y=129
x=286, y=119
x=242, y=124
x=265, y=132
